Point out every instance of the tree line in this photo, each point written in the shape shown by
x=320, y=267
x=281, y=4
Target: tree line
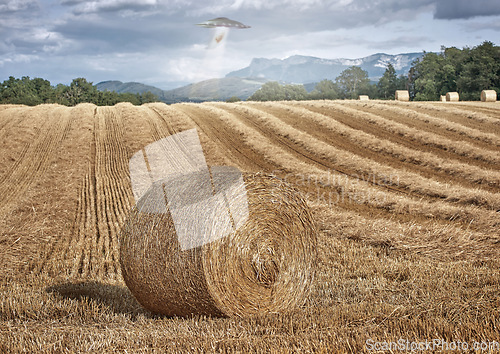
x=36, y=91
x=466, y=71
x=351, y=83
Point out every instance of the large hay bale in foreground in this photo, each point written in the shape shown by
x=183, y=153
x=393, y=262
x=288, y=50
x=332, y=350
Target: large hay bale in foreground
x=452, y=97
x=266, y=266
x=402, y=95
x=488, y=96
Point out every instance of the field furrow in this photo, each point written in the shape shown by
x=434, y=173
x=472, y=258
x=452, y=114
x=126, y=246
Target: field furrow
x=10, y=117
x=437, y=125
x=469, y=116
x=78, y=254
x=52, y=195
x=321, y=182
x=34, y=161
x=382, y=150
x=111, y=171
x=121, y=197
x=7, y=106
x=59, y=242
x=410, y=137
x=444, y=241
x=217, y=152
x=291, y=140
x=370, y=170
x=229, y=141
x=476, y=109
x=174, y=120
x=105, y=201
x=162, y=127
x=22, y=127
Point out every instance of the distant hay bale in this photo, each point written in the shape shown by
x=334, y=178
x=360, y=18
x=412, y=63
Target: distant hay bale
x=488, y=96
x=452, y=97
x=443, y=98
x=266, y=266
x=364, y=98
x=402, y=95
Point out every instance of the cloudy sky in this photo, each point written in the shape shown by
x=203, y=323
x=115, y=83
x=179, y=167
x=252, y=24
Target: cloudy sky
x=157, y=42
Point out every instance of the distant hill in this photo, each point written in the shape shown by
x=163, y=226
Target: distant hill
x=215, y=89
x=131, y=87
x=304, y=69
x=208, y=90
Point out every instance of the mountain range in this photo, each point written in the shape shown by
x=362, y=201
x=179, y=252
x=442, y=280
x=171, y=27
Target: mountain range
x=303, y=69
x=296, y=69
x=207, y=90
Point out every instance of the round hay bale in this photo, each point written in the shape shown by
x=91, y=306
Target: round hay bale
x=452, y=97
x=402, y=95
x=443, y=98
x=488, y=96
x=265, y=266
x=364, y=98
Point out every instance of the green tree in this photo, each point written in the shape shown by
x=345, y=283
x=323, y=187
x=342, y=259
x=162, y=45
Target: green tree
x=148, y=97
x=19, y=91
x=273, y=91
x=451, y=66
x=107, y=98
x=480, y=70
x=233, y=99
x=353, y=81
x=10, y=90
x=295, y=92
x=79, y=91
x=44, y=91
x=26, y=91
x=388, y=83
x=424, y=77
x=60, y=94
x=270, y=91
x=36, y=91
x=325, y=90
x=468, y=71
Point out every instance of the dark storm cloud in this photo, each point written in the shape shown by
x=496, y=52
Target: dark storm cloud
x=12, y=6
x=456, y=9
x=491, y=25
x=71, y=2
x=301, y=15
x=110, y=35
x=14, y=14
x=112, y=26
x=84, y=7
x=18, y=19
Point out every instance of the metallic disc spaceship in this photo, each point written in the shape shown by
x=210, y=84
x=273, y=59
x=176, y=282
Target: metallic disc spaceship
x=222, y=22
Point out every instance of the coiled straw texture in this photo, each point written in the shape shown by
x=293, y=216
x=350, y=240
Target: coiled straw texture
x=266, y=265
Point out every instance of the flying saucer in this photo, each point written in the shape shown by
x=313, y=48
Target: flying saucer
x=222, y=22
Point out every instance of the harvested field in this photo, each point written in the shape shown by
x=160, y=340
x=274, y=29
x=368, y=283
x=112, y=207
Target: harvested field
x=406, y=197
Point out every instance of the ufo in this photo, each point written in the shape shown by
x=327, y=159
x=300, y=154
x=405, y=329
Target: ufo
x=222, y=22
